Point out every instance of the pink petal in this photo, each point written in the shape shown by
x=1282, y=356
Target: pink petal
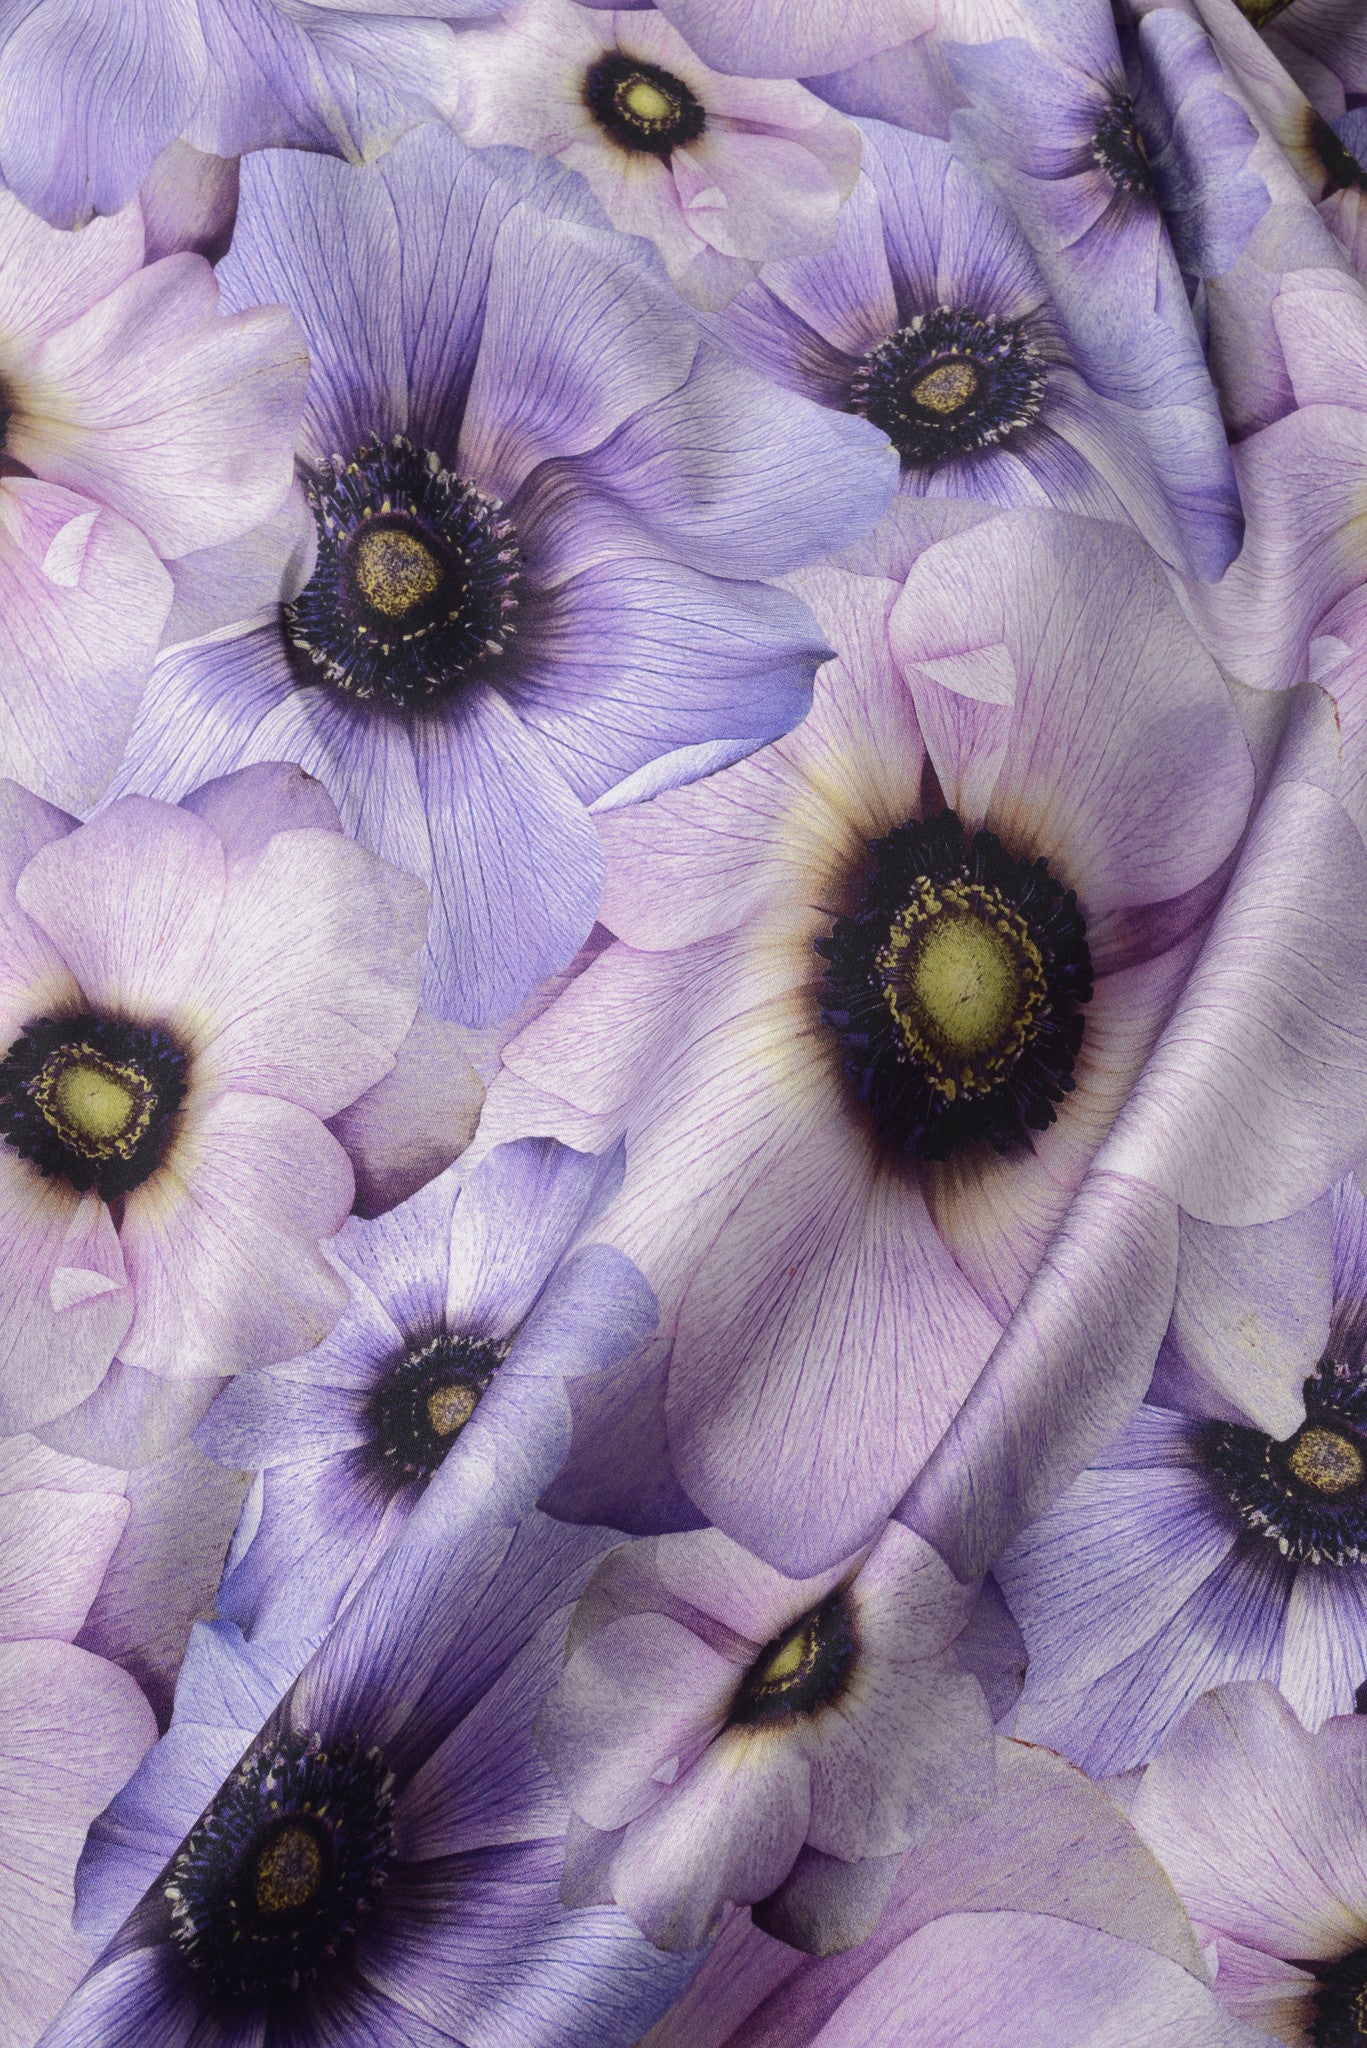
x=131, y=900
x=222, y=1242
x=180, y=419
x=310, y=980
x=83, y=600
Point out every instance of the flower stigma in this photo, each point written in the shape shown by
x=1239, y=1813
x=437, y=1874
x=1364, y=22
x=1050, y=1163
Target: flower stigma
x=644, y=109
x=950, y=383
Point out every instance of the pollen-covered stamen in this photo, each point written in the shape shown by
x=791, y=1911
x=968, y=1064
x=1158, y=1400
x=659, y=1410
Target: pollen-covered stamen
x=645, y=110
x=1261, y=12
x=274, y=1883
x=424, y=1401
x=1118, y=149
x=949, y=383
x=806, y=1668
x=92, y=1099
x=1307, y=1492
x=954, y=990
x=1340, y=2004
x=415, y=585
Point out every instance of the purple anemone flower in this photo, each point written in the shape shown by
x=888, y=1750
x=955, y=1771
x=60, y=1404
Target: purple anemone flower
x=1260, y=1826
x=470, y=1307
x=1042, y=1923
x=727, y=1735
x=931, y=318
x=89, y=95
x=383, y=1865
x=540, y=497
x=187, y=993
x=142, y=431
x=1055, y=126
x=844, y=1166
x=72, y=1726
x=1223, y=1534
x=721, y=174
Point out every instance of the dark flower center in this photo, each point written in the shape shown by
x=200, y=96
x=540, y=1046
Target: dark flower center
x=1341, y=2002
x=1342, y=171
x=415, y=586
x=1260, y=12
x=644, y=109
x=954, y=990
x=951, y=382
x=1118, y=149
x=423, y=1403
x=1308, y=1491
x=92, y=1099
x=801, y=1671
x=273, y=1883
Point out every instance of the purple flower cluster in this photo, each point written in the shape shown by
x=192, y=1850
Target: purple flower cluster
x=683, y=1087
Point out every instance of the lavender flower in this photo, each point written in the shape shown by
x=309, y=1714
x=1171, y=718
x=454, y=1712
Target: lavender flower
x=188, y=992
x=1023, y=772
x=721, y=174
x=444, y=1377
x=931, y=318
x=539, y=500
x=383, y=1865
x=1200, y=1548
x=728, y=1735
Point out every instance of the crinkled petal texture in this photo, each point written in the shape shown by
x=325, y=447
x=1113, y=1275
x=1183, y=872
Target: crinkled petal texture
x=476, y=303
x=1052, y=1854
x=697, y=1805
x=831, y=1307
x=488, y=1257
x=1260, y=1825
x=283, y=963
x=762, y=180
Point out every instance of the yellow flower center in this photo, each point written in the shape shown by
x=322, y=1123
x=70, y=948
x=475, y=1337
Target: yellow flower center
x=289, y=1871
x=639, y=97
x=947, y=388
x=965, y=983
x=394, y=570
x=450, y=1408
x=1325, y=1461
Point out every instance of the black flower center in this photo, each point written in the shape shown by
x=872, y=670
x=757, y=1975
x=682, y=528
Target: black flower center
x=1307, y=1492
x=92, y=1099
x=423, y=1403
x=1118, y=149
x=951, y=382
x=801, y=1671
x=954, y=990
x=1260, y=12
x=415, y=586
x=644, y=109
x=277, y=1877
x=1342, y=171
x=1341, y=2002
